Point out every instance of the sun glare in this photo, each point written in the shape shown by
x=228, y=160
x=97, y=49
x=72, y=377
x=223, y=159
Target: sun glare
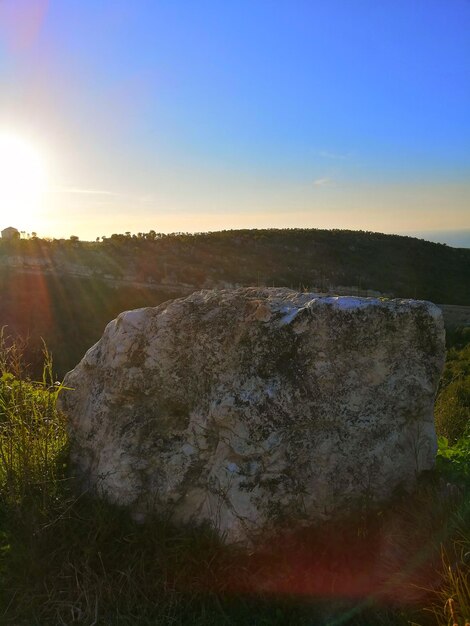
x=22, y=180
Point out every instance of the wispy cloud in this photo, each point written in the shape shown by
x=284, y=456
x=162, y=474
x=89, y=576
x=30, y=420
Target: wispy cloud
x=78, y=190
x=332, y=155
x=148, y=198
x=322, y=182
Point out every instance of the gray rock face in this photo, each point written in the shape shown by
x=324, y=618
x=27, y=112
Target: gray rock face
x=256, y=409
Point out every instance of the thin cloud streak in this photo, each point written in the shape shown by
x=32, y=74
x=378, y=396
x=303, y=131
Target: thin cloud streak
x=90, y=192
x=322, y=182
x=333, y=155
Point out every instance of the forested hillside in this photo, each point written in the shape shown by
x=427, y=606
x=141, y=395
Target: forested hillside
x=66, y=290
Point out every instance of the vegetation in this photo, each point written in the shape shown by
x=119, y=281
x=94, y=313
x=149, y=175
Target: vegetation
x=453, y=402
x=65, y=291
x=403, y=266
x=67, y=558
x=32, y=433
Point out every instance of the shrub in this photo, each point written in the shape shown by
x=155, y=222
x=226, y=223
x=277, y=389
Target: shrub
x=453, y=461
x=452, y=409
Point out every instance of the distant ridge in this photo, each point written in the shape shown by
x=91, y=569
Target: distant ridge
x=394, y=265
x=66, y=291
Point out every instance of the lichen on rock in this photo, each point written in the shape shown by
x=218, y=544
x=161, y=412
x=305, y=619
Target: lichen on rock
x=256, y=409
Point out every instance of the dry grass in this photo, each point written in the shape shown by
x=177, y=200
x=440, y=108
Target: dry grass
x=68, y=558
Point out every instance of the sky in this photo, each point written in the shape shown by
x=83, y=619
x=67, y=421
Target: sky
x=180, y=115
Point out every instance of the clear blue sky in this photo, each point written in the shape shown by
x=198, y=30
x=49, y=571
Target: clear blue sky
x=184, y=115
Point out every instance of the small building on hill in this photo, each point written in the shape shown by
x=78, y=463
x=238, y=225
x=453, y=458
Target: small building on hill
x=10, y=233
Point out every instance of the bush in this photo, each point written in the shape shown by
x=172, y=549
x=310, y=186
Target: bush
x=452, y=409
x=453, y=461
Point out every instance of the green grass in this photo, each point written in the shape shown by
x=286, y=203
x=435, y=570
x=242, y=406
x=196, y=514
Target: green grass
x=452, y=408
x=68, y=558
x=452, y=598
x=453, y=461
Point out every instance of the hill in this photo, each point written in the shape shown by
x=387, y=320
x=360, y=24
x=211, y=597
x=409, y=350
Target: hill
x=66, y=290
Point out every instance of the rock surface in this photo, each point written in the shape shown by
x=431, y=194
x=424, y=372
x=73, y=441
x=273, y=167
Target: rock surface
x=257, y=409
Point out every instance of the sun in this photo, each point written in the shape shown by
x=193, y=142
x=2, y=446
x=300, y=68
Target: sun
x=22, y=180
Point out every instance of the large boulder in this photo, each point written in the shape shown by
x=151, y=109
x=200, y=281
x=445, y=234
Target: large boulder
x=257, y=409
